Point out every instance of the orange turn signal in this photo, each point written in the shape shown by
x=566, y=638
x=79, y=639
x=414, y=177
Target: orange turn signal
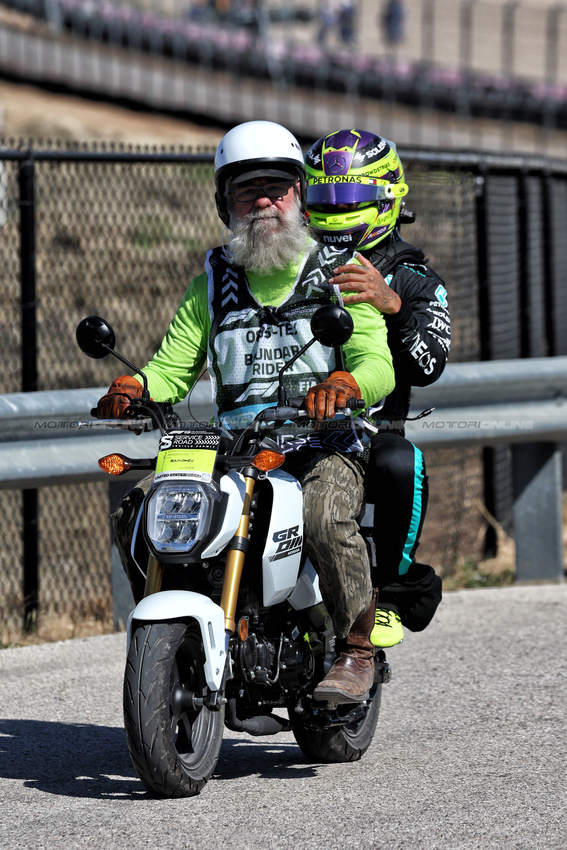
x=266, y=460
x=114, y=464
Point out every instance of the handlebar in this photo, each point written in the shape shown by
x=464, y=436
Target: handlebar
x=144, y=415
x=352, y=403
x=147, y=415
x=294, y=409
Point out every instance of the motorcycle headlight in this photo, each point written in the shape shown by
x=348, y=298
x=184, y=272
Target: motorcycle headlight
x=177, y=515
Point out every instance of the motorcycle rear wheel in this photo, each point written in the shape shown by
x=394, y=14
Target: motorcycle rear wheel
x=339, y=743
x=174, y=752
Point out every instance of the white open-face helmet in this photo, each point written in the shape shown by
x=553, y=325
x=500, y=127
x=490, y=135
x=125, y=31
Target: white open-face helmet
x=256, y=149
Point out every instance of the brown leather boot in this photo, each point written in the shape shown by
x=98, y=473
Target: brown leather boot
x=352, y=674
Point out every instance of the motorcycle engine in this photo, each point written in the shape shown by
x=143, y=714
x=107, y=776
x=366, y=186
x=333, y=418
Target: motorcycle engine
x=255, y=659
x=265, y=662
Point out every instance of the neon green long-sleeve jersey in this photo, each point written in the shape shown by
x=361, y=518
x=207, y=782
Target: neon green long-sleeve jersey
x=183, y=352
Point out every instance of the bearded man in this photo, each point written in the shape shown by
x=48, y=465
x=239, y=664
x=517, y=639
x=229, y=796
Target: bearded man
x=244, y=317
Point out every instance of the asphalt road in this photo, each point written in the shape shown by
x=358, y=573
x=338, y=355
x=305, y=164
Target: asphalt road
x=470, y=752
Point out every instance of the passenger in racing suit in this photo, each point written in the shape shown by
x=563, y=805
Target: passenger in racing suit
x=253, y=304
x=354, y=198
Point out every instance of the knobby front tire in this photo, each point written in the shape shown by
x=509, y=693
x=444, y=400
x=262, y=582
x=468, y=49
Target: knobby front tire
x=173, y=752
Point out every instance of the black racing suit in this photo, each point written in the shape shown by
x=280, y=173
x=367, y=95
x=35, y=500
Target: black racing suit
x=419, y=337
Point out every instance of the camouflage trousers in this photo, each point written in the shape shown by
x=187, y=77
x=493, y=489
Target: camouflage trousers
x=333, y=495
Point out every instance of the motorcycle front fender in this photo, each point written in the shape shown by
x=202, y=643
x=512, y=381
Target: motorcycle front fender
x=183, y=604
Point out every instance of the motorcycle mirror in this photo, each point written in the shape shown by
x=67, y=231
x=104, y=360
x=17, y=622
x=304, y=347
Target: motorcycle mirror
x=95, y=337
x=331, y=325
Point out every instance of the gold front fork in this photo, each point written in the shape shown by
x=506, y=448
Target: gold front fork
x=235, y=560
x=154, y=576
x=234, y=563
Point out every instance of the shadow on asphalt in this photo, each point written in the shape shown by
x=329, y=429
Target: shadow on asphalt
x=72, y=759
x=83, y=760
x=277, y=759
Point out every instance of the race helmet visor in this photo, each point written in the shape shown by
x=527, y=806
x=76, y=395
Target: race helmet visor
x=332, y=193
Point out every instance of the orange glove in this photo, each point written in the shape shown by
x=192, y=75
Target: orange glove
x=119, y=396
x=324, y=399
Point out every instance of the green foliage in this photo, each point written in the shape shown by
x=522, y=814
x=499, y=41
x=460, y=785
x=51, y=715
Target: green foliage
x=469, y=574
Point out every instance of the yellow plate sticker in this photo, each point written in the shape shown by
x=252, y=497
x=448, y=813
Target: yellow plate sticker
x=187, y=460
x=184, y=454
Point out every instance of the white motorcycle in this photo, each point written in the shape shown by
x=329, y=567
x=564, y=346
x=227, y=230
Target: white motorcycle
x=231, y=628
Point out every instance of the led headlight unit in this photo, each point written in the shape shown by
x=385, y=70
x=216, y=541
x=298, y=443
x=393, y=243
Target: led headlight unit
x=177, y=514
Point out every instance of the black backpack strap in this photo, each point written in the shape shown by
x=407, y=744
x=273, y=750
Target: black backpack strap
x=394, y=254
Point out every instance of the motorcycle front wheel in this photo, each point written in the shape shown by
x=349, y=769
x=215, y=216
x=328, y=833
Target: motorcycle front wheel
x=341, y=743
x=174, y=749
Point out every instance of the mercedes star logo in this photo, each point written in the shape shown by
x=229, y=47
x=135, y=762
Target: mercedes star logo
x=335, y=163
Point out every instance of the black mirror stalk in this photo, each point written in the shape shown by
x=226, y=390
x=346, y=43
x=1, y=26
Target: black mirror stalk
x=281, y=390
x=145, y=391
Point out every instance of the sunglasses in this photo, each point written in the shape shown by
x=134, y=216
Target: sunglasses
x=273, y=190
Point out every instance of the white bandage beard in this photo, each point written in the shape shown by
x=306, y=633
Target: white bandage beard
x=267, y=239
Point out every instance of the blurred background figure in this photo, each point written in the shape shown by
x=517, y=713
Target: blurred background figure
x=327, y=21
x=393, y=20
x=347, y=21
x=208, y=10
x=259, y=18
x=221, y=7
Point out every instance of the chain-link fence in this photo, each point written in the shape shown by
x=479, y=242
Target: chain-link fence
x=121, y=234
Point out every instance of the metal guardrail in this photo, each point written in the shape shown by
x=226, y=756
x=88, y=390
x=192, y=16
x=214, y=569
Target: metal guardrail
x=41, y=445
x=497, y=402
x=522, y=403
